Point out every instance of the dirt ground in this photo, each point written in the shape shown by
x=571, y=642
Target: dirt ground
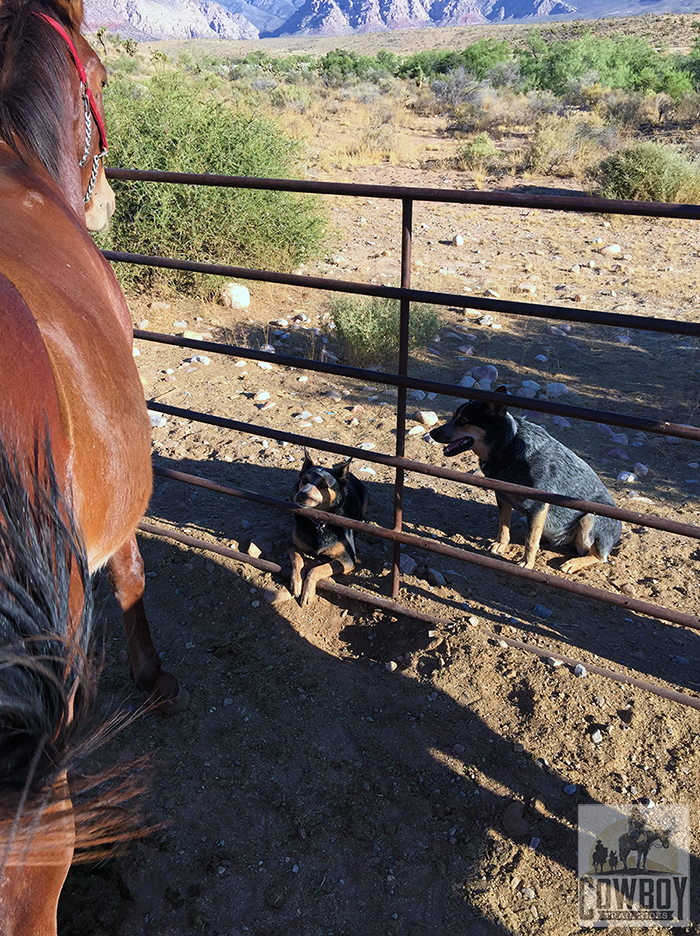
x=341, y=772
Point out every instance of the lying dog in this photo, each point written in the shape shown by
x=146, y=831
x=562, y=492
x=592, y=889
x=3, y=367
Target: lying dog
x=338, y=492
x=512, y=449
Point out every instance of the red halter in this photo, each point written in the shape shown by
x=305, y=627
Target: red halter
x=91, y=108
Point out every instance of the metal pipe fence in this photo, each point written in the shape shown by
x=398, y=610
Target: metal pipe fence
x=402, y=381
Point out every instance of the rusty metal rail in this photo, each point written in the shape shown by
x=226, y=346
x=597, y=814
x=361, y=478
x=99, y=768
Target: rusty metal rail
x=405, y=295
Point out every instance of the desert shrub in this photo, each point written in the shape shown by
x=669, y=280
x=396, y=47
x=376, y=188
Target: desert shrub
x=567, y=146
x=649, y=172
x=368, y=328
x=479, y=153
x=633, y=109
x=173, y=123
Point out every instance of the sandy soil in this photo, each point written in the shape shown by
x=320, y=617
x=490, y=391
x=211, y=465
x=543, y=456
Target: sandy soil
x=310, y=789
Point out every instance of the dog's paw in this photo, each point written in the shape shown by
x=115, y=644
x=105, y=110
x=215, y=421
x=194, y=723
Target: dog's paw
x=527, y=563
x=295, y=585
x=308, y=597
x=498, y=548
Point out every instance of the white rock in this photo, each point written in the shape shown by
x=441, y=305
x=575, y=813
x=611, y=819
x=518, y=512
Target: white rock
x=234, y=296
x=436, y=578
x=542, y=358
x=561, y=421
x=556, y=389
x=627, y=477
x=135, y=351
x=619, y=438
x=426, y=417
x=142, y=324
x=623, y=339
x=532, y=384
x=407, y=564
x=528, y=288
x=605, y=430
x=457, y=240
x=467, y=381
x=580, y=670
x=612, y=250
x=528, y=392
x=484, y=370
x=302, y=379
x=263, y=365
x=335, y=396
x=417, y=395
x=261, y=396
x=281, y=322
x=485, y=384
x=157, y=419
x=618, y=453
x=367, y=446
x=641, y=469
x=416, y=430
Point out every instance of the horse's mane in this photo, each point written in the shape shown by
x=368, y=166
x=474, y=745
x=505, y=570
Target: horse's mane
x=48, y=671
x=32, y=61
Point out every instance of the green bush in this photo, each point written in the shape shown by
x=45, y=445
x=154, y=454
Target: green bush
x=479, y=153
x=368, y=328
x=649, y=172
x=176, y=123
x=567, y=146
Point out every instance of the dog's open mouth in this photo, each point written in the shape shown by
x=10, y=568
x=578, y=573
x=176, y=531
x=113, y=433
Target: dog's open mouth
x=461, y=445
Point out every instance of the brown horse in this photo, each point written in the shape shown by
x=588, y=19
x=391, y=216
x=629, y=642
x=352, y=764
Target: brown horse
x=75, y=472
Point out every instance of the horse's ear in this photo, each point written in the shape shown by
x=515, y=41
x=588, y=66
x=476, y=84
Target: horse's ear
x=73, y=11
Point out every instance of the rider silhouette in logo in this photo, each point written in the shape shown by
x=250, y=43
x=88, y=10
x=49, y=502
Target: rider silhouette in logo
x=635, y=825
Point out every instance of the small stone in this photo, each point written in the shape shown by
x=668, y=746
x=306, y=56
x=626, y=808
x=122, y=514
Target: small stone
x=561, y=421
x=619, y=438
x=492, y=293
x=268, y=405
x=467, y=381
x=597, y=737
x=259, y=546
x=484, y=371
x=457, y=240
x=534, y=844
x=264, y=365
x=426, y=417
x=367, y=446
x=416, y=430
x=641, y=470
x=136, y=352
x=436, y=578
x=556, y=389
x=576, y=268
x=335, y=396
x=408, y=565
x=618, y=453
x=569, y=789
x=417, y=395
x=528, y=288
x=458, y=749
x=123, y=656
x=486, y=320
x=193, y=335
x=681, y=660
x=391, y=666
x=234, y=296
x=142, y=325
x=473, y=620
x=580, y=670
x=541, y=358
x=466, y=349
x=157, y=420
x=358, y=408
x=553, y=662
x=518, y=747
x=261, y=396
x=302, y=379
x=160, y=305
x=623, y=340
x=628, y=589
x=276, y=596
x=180, y=324
x=542, y=611
x=605, y=430
x=611, y=250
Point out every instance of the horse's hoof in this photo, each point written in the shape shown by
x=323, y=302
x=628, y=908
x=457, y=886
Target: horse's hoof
x=174, y=706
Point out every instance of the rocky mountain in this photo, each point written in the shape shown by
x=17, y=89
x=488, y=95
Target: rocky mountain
x=247, y=19
x=168, y=19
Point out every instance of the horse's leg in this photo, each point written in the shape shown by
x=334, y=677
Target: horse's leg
x=128, y=583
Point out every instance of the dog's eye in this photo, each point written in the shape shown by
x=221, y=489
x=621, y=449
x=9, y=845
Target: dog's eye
x=321, y=485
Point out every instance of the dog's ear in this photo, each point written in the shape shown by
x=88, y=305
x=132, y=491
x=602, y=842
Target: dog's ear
x=308, y=462
x=498, y=410
x=341, y=471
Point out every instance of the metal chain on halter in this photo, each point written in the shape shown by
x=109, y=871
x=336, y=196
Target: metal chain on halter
x=88, y=127
x=93, y=175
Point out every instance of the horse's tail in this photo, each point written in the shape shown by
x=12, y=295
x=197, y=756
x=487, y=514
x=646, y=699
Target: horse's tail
x=48, y=671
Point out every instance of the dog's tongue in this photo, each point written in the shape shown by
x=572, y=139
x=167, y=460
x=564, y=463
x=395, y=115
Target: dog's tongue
x=454, y=447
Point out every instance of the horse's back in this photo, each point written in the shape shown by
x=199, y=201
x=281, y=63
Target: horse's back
x=59, y=279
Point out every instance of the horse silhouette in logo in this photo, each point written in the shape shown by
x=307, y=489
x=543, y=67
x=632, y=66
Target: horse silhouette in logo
x=640, y=837
x=599, y=857
x=612, y=861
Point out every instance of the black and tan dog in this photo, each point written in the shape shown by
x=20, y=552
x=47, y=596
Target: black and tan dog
x=338, y=492
x=512, y=449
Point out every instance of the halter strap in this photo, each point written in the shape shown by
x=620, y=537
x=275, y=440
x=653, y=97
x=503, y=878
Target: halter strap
x=96, y=115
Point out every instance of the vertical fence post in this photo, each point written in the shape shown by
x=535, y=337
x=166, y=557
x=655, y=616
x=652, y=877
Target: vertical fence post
x=405, y=309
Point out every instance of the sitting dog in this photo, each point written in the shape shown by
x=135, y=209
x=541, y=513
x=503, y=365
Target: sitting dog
x=512, y=449
x=338, y=492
